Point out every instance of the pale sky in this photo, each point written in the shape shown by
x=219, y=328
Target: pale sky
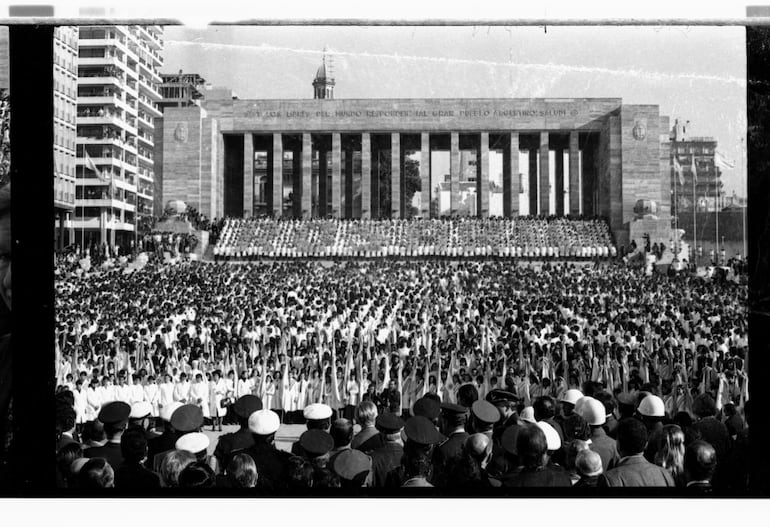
x=692, y=73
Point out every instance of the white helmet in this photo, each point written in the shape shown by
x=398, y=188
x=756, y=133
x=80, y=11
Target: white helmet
x=571, y=396
x=652, y=406
x=593, y=411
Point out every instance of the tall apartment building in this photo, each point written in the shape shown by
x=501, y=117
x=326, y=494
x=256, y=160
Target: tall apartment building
x=65, y=88
x=117, y=105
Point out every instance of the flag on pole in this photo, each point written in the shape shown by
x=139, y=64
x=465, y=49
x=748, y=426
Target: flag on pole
x=678, y=170
x=694, y=171
x=722, y=162
x=92, y=166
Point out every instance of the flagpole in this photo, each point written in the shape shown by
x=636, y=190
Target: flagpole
x=716, y=211
x=694, y=217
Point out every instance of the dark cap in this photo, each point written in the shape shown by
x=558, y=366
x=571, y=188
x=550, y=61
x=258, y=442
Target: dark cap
x=114, y=413
x=316, y=442
x=247, y=405
x=509, y=437
x=426, y=407
x=451, y=408
x=501, y=396
x=485, y=412
x=389, y=423
x=187, y=418
x=352, y=465
x=626, y=399
x=422, y=431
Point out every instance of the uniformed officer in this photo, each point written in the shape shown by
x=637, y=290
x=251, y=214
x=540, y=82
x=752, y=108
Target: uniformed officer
x=196, y=443
x=272, y=464
x=167, y=439
x=241, y=438
x=316, y=446
x=454, y=418
x=186, y=419
x=318, y=417
x=484, y=416
x=353, y=468
x=140, y=416
x=388, y=456
x=505, y=402
x=114, y=415
x=417, y=465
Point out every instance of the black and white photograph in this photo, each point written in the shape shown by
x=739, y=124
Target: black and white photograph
x=351, y=260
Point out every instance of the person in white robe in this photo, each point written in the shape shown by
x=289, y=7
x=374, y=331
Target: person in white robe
x=199, y=395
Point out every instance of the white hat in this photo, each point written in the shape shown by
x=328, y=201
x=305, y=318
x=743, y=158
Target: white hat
x=193, y=442
x=652, y=406
x=593, y=412
x=571, y=396
x=140, y=410
x=551, y=435
x=528, y=415
x=317, y=411
x=264, y=422
x=168, y=410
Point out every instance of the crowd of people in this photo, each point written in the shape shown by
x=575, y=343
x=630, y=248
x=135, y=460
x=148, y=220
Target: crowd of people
x=454, y=374
x=528, y=237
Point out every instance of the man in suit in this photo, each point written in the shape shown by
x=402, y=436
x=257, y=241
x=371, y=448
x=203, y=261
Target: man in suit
x=241, y=438
x=708, y=427
x=633, y=470
x=131, y=474
x=700, y=462
x=388, y=456
x=114, y=415
x=532, y=453
x=369, y=437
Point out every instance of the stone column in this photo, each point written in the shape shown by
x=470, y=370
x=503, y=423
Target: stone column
x=545, y=191
x=513, y=186
x=323, y=207
x=248, y=176
x=395, y=175
x=454, y=172
x=336, y=174
x=277, y=175
x=559, y=182
x=574, y=172
x=483, y=186
x=366, y=176
x=307, y=175
x=348, y=184
x=425, y=174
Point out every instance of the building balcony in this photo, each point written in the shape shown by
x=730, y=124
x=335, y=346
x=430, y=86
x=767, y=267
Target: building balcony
x=149, y=107
x=106, y=203
x=147, y=87
x=100, y=81
x=108, y=60
x=96, y=223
